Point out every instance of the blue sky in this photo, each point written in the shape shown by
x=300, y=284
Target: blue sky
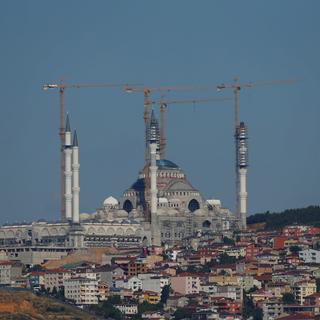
x=158, y=43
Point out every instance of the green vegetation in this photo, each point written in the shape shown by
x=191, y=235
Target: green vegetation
x=165, y=294
x=318, y=284
x=305, y=216
x=250, y=310
x=28, y=306
x=181, y=313
x=145, y=306
x=295, y=249
x=288, y=298
x=227, y=240
x=107, y=309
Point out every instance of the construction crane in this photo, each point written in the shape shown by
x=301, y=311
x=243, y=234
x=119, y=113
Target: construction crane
x=61, y=87
x=146, y=104
x=146, y=93
x=163, y=106
x=236, y=87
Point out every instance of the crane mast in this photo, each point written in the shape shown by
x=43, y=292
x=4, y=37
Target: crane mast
x=238, y=128
x=61, y=87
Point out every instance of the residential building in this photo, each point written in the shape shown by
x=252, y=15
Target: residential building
x=151, y=297
x=310, y=256
x=303, y=289
x=272, y=308
x=55, y=278
x=186, y=284
x=82, y=291
x=10, y=271
x=128, y=309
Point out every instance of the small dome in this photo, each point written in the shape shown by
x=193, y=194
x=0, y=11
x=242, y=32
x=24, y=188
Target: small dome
x=85, y=216
x=110, y=201
x=121, y=214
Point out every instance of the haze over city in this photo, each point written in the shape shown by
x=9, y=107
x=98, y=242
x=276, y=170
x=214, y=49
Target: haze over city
x=159, y=44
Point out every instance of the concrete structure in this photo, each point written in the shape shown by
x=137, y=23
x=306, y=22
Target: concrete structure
x=310, y=256
x=303, y=289
x=68, y=172
x=272, y=309
x=155, y=234
x=9, y=271
x=55, y=278
x=82, y=291
x=75, y=171
x=178, y=212
x=186, y=284
x=127, y=308
x=242, y=159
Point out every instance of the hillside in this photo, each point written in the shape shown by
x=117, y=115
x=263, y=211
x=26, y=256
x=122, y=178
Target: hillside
x=24, y=305
x=276, y=220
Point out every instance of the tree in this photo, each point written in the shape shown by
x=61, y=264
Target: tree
x=288, y=298
x=181, y=313
x=108, y=309
x=145, y=306
x=227, y=240
x=249, y=310
x=318, y=284
x=295, y=249
x=116, y=299
x=165, y=294
x=226, y=259
x=54, y=291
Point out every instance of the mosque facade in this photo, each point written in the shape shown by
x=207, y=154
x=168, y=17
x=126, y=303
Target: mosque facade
x=167, y=211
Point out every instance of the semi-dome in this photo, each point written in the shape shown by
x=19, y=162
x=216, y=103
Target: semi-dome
x=163, y=163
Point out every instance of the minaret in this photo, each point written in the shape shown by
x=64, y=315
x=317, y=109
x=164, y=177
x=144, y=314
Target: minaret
x=75, y=189
x=154, y=133
x=156, y=241
x=68, y=172
x=242, y=174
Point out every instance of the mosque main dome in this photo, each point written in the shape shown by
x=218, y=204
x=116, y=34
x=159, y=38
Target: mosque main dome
x=181, y=209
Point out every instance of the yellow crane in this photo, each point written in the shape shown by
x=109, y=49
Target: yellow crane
x=62, y=87
x=236, y=87
x=163, y=105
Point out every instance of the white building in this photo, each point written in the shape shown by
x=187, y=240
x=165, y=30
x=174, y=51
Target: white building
x=55, y=278
x=82, y=290
x=155, y=283
x=127, y=309
x=310, y=256
x=134, y=284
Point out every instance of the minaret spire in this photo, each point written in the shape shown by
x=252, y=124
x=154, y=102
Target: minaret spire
x=68, y=124
x=75, y=138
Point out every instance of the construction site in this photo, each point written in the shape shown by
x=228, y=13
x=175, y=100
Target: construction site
x=161, y=207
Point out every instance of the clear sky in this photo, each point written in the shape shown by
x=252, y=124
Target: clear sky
x=158, y=43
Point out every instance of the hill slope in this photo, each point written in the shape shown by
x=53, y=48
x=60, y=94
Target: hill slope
x=24, y=305
x=305, y=216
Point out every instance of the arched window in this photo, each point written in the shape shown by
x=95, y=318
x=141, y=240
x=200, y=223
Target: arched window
x=193, y=205
x=127, y=206
x=206, y=224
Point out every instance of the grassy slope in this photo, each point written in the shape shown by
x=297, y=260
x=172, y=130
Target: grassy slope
x=24, y=305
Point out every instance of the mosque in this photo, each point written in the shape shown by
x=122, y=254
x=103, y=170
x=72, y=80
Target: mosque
x=160, y=207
